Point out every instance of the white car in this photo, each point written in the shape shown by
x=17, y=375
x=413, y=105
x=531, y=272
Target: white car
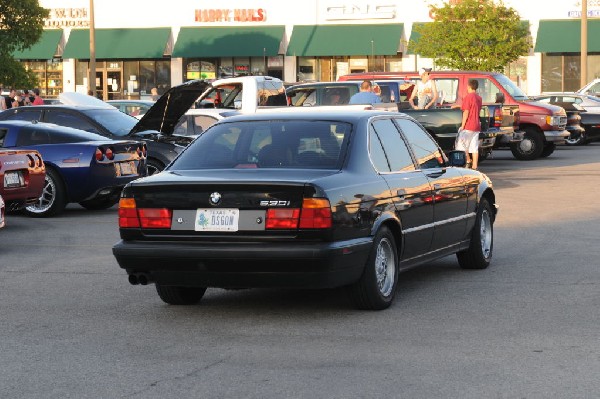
x=197, y=120
x=588, y=102
x=592, y=88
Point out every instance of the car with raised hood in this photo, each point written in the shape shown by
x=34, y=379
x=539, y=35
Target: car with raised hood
x=301, y=198
x=90, y=114
x=22, y=175
x=81, y=167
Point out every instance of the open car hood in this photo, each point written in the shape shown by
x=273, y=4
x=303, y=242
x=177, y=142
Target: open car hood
x=170, y=107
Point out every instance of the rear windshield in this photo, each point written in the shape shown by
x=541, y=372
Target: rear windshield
x=113, y=120
x=289, y=144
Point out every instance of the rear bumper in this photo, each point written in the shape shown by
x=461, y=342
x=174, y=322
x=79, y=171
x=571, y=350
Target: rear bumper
x=217, y=264
x=508, y=138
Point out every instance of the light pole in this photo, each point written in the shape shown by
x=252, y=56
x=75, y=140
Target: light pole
x=92, y=69
x=584, y=44
x=372, y=55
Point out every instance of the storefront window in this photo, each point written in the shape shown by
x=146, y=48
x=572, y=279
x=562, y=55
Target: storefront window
x=552, y=75
x=200, y=69
x=258, y=65
x=163, y=76
x=306, y=69
x=393, y=64
x=572, y=72
x=49, y=74
x=517, y=72
x=241, y=66
x=226, y=68
x=593, y=66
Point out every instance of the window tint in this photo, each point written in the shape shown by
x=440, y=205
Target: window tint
x=116, y=122
x=28, y=136
x=487, y=90
x=424, y=147
x=27, y=115
x=447, y=90
x=398, y=155
x=302, y=97
x=2, y=136
x=268, y=144
x=203, y=122
x=69, y=120
x=376, y=152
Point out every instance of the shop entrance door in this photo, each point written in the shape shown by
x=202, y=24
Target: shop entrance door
x=100, y=79
x=114, y=86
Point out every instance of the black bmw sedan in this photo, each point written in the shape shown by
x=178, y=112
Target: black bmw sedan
x=303, y=198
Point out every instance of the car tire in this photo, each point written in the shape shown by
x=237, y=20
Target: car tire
x=530, y=147
x=548, y=150
x=376, y=288
x=97, y=204
x=174, y=295
x=579, y=139
x=53, y=199
x=479, y=253
x=154, y=166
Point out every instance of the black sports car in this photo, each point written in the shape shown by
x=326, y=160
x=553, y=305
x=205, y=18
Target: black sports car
x=304, y=198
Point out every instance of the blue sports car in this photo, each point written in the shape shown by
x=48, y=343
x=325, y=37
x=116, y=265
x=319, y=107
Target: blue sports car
x=81, y=167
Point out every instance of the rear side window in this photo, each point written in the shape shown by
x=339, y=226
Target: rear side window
x=286, y=144
x=2, y=136
x=69, y=120
x=28, y=137
x=447, y=90
x=24, y=115
x=302, y=97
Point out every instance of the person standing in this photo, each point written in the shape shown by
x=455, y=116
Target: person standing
x=9, y=101
x=365, y=95
x=425, y=92
x=37, y=100
x=2, y=101
x=468, y=133
x=154, y=94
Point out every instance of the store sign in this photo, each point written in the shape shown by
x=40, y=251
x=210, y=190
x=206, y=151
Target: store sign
x=68, y=18
x=593, y=9
x=230, y=15
x=359, y=11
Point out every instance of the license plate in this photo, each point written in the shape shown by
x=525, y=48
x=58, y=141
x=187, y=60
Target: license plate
x=125, y=168
x=217, y=219
x=13, y=179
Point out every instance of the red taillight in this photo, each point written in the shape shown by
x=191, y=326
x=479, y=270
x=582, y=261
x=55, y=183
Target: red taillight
x=38, y=161
x=110, y=154
x=148, y=218
x=155, y=218
x=99, y=154
x=31, y=161
x=282, y=218
x=314, y=214
x=498, y=117
x=141, y=151
x=128, y=217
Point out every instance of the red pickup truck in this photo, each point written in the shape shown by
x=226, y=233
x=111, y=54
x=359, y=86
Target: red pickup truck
x=22, y=176
x=543, y=124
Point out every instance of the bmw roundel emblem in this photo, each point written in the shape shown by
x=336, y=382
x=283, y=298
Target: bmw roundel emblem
x=215, y=198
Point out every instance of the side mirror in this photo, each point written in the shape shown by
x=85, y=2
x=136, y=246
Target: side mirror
x=457, y=158
x=499, y=98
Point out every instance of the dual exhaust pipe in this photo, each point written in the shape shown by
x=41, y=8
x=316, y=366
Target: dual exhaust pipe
x=139, y=278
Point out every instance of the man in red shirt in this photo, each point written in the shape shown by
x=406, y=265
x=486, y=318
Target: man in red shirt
x=37, y=100
x=468, y=133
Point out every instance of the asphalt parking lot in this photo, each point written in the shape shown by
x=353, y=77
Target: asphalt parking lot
x=527, y=327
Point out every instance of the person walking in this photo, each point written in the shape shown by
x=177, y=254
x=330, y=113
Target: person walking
x=365, y=95
x=37, y=100
x=468, y=133
x=425, y=91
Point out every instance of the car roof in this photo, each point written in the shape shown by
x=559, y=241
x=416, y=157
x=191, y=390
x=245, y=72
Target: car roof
x=52, y=126
x=327, y=84
x=351, y=115
x=70, y=107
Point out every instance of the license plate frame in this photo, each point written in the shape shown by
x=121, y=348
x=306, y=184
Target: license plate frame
x=217, y=220
x=13, y=179
x=126, y=168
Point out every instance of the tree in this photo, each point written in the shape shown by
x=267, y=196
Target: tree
x=21, y=26
x=472, y=35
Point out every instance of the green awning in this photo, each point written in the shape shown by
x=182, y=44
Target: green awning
x=341, y=40
x=250, y=41
x=45, y=49
x=119, y=43
x=564, y=36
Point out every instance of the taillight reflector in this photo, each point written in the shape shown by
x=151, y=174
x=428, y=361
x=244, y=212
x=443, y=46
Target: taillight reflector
x=498, y=117
x=128, y=217
x=282, y=218
x=99, y=154
x=155, y=218
x=315, y=214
